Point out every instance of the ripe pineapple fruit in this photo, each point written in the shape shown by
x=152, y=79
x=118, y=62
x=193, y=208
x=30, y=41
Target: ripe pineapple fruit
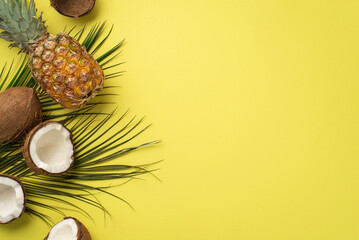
x=62, y=67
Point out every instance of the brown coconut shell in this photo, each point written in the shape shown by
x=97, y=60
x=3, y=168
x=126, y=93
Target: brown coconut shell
x=26, y=150
x=82, y=234
x=23, y=190
x=20, y=111
x=73, y=8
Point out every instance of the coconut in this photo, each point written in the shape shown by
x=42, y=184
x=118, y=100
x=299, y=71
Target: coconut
x=12, y=198
x=48, y=149
x=20, y=110
x=73, y=8
x=68, y=229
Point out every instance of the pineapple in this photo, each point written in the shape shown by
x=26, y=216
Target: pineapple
x=60, y=65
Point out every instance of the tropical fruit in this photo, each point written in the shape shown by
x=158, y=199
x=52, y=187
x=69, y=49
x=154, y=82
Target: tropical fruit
x=69, y=229
x=12, y=198
x=62, y=67
x=48, y=149
x=20, y=110
x=73, y=8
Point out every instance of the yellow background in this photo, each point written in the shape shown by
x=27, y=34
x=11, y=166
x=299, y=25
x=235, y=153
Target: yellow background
x=257, y=106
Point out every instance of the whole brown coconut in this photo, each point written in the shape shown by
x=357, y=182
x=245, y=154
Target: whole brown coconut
x=20, y=111
x=73, y=8
x=82, y=232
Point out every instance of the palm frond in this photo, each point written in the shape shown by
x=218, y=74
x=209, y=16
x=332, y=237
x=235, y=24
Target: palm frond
x=97, y=142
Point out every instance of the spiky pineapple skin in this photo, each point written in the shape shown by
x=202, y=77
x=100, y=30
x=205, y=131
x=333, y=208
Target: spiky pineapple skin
x=65, y=71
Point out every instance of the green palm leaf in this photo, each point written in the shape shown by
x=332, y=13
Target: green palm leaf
x=97, y=142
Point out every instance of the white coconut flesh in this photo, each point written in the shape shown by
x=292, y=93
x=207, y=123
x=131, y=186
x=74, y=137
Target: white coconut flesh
x=64, y=230
x=12, y=198
x=51, y=148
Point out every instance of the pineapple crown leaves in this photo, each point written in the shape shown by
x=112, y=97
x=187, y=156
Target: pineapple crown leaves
x=19, y=23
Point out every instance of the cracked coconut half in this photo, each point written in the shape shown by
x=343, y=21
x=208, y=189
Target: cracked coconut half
x=69, y=229
x=48, y=149
x=12, y=198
